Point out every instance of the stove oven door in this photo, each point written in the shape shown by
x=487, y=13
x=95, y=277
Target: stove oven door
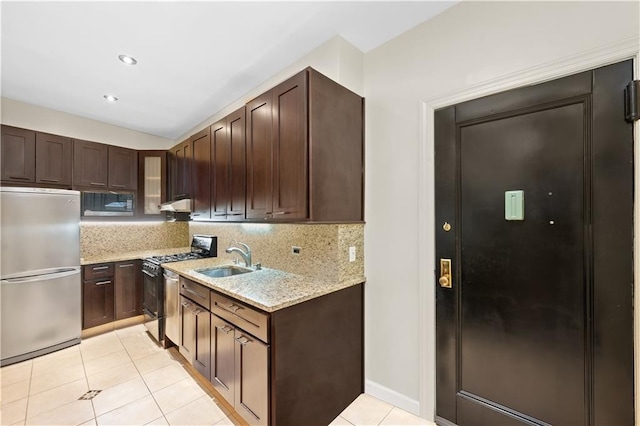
x=152, y=304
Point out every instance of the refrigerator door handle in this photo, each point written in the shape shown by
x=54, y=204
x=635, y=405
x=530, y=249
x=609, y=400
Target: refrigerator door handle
x=53, y=274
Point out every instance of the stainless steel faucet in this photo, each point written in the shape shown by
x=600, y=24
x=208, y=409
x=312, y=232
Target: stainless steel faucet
x=246, y=255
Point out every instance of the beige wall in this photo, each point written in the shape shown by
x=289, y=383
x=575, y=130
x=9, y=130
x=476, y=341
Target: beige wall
x=337, y=59
x=29, y=116
x=467, y=45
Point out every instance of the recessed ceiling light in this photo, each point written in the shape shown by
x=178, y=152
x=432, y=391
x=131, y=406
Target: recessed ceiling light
x=127, y=59
x=110, y=98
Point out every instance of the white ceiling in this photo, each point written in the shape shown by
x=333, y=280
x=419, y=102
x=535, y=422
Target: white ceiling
x=194, y=58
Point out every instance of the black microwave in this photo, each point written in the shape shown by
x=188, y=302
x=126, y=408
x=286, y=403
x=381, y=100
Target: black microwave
x=107, y=203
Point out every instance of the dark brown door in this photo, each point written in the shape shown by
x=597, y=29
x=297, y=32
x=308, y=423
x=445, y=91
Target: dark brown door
x=223, y=358
x=237, y=165
x=18, y=155
x=201, y=174
x=252, y=379
x=187, y=328
x=97, y=302
x=53, y=159
x=202, y=350
x=123, y=168
x=128, y=289
x=290, y=148
x=259, y=162
x=152, y=181
x=182, y=175
x=90, y=164
x=220, y=177
x=537, y=326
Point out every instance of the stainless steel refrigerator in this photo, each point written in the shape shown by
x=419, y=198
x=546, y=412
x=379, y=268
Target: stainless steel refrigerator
x=40, y=288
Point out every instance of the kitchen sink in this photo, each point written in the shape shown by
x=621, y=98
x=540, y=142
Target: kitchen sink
x=223, y=271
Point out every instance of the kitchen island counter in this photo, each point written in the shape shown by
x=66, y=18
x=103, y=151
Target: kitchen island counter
x=266, y=289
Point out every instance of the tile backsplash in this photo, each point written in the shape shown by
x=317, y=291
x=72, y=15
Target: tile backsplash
x=105, y=238
x=324, y=249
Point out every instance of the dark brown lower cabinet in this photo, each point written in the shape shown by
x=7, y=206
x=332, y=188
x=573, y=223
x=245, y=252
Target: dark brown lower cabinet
x=97, y=298
x=223, y=358
x=269, y=365
x=195, y=340
x=128, y=289
x=252, y=378
x=187, y=329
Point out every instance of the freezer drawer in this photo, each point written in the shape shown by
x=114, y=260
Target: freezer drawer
x=39, y=312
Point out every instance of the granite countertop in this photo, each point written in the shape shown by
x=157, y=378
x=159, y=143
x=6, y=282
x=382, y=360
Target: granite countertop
x=266, y=289
x=117, y=257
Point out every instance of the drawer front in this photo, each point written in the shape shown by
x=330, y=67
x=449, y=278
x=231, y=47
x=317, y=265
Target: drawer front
x=242, y=316
x=97, y=271
x=195, y=292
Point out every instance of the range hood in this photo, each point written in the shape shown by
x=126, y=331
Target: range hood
x=180, y=206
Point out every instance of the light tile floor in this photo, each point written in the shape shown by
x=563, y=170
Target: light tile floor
x=140, y=383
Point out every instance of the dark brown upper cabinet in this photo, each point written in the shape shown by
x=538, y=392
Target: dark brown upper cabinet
x=181, y=159
x=123, y=169
x=259, y=164
x=289, y=148
x=18, y=155
x=228, y=174
x=152, y=181
x=277, y=152
x=305, y=152
x=90, y=164
x=336, y=151
x=201, y=174
x=53, y=160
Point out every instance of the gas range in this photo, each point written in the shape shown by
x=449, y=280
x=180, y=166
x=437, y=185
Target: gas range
x=201, y=246
x=174, y=257
x=154, y=290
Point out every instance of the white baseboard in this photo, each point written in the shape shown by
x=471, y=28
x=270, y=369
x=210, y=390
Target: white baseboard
x=392, y=397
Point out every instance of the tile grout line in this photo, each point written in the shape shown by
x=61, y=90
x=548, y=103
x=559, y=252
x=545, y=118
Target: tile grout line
x=130, y=402
x=386, y=415
x=26, y=408
x=86, y=378
x=141, y=377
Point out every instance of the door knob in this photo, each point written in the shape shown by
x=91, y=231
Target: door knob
x=445, y=273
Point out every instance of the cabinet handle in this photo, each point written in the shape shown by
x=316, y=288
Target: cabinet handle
x=97, y=184
x=268, y=212
x=50, y=180
x=242, y=340
x=195, y=214
x=186, y=304
x=103, y=282
x=224, y=328
x=235, y=214
x=99, y=268
x=19, y=178
x=233, y=307
x=188, y=290
x=221, y=214
x=118, y=186
x=275, y=213
x=126, y=266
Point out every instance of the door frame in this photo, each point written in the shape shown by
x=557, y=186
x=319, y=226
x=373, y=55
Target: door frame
x=584, y=61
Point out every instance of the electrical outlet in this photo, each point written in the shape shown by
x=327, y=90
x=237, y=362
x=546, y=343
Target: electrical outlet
x=295, y=250
x=352, y=254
